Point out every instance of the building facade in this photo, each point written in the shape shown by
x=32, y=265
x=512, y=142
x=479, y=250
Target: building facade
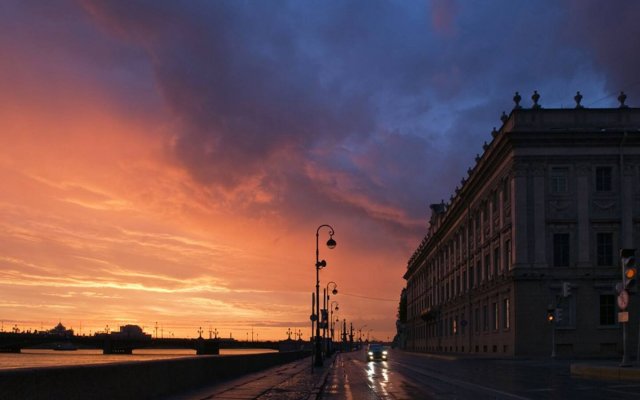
x=536, y=225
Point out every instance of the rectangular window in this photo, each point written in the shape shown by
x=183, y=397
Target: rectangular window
x=479, y=272
x=496, y=260
x=477, y=320
x=494, y=202
x=464, y=281
x=485, y=317
x=506, y=323
x=604, y=244
x=471, y=277
x=561, y=250
x=607, y=309
x=495, y=316
x=603, y=179
x=487, y=262
x=507, y=254
x=558, y=180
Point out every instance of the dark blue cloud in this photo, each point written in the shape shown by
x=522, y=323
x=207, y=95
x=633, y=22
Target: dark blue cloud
x=399, y=96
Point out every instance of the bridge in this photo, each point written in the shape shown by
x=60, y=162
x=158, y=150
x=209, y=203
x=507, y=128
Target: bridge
x=116, y=344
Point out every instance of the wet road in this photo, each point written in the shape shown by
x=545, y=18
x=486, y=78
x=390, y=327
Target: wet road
x=417, y=376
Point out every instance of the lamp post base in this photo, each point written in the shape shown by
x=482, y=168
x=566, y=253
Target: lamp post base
x=318, y=353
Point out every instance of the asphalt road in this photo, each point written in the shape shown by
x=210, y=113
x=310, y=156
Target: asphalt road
x=417, y=376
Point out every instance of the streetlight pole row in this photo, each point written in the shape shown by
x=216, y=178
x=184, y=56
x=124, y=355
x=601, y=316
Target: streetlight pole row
x=320, y=264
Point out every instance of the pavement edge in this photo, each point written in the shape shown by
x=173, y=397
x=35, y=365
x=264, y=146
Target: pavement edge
x=319, y=386
x=605, y=372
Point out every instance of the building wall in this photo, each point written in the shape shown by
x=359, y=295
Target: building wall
x=531, y=215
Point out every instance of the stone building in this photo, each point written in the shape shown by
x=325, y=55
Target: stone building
x=536, y=225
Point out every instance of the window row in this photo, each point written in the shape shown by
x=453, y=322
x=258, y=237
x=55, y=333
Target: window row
x=604, y=254
x=559, y=178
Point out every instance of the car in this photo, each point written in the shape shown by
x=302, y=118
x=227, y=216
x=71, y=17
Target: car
x=376, y=352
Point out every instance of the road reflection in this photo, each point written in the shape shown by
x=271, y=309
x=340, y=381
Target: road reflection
x=353, y=378
x=378, y=376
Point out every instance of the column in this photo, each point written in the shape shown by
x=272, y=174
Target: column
x=539, y=216
x=583, y=172
x=519, y=216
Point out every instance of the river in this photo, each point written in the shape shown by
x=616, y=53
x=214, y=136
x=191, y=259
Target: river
x=30, y=358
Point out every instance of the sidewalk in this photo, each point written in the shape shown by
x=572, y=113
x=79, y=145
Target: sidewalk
x=292, y=381
x=605, y=370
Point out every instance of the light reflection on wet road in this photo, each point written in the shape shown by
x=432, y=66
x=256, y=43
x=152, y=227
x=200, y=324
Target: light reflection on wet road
x=353, y=378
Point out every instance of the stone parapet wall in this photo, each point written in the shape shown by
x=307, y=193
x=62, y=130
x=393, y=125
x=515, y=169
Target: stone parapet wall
x=133, y=380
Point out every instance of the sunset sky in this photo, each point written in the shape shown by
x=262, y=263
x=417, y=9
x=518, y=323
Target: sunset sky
x=170, y=161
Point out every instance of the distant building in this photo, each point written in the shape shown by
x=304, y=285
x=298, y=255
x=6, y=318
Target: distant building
x=60, y=330
x=548, y=204
x=130, y=332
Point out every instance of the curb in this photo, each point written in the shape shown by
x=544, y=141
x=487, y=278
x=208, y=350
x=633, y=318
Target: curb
x=605, y=372
x=317, y=389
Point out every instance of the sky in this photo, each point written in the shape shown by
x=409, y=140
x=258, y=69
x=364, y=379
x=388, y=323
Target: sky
x=168, y=163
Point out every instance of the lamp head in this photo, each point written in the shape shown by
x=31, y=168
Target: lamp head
x=321, y=264
x=337, y=307
x=334, y=291
x=331, y=243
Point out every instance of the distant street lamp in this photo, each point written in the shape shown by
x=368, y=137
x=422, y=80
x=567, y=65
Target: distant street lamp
x=360, y=333
x=325, y=307
x=320, y=264
x=331, y=317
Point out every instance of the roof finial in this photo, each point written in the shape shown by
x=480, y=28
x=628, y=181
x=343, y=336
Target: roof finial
x=535, y=97
x=494, y=132
x=578, y=99
x=504, y=117
x=622, y=98
x=516, y=99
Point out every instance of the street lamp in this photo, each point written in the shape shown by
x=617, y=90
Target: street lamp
x=331, y=317
x=334, y=291
x=320, y=264
x=325, y=306
x=360, y=333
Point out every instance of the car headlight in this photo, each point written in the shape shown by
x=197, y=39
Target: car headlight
x=370, y=353
x=384, y=352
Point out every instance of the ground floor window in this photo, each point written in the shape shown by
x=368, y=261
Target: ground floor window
x=485, y=317
x=607, y=309
x=506, y=323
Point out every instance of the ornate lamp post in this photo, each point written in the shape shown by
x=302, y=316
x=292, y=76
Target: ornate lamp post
x=320, y=264
x=337, y=307
x=326, y=331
